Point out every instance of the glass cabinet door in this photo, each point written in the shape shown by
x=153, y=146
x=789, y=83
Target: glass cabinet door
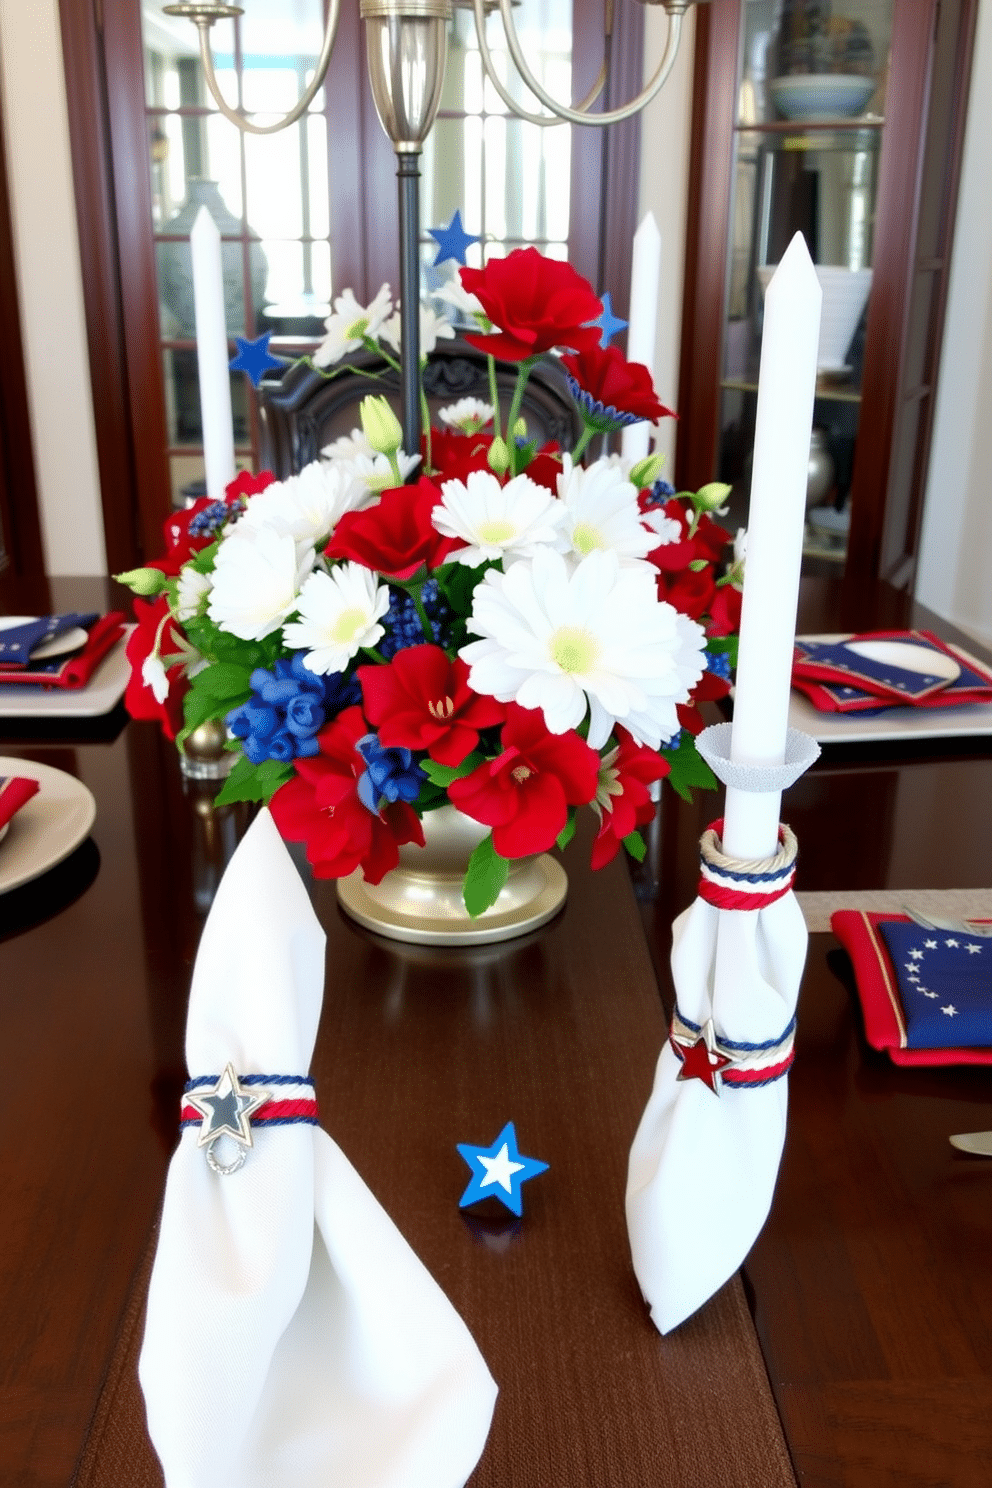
x=807, y=138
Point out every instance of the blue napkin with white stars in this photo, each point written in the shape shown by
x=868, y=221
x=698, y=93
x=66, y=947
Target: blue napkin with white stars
x=18, y=641
x=945, y=983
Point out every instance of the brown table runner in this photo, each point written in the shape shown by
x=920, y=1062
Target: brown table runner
x=421, y=1049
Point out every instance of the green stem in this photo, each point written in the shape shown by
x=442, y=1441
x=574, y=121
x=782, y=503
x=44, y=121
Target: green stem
x=373, y=655
x=523, y=372
x=394, y=465
x=425, y=418
x=584, y=439
x=494, y=398
x=425, y=624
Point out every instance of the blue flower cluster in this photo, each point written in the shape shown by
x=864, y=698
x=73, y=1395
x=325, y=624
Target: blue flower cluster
x=402, y=623
x=718, y=662
x=287, y=708
x=209, y=521
x=391, y=775
x=660, y=492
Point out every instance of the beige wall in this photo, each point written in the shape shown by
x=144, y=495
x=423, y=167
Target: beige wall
x=955, y=573
x=46, y=247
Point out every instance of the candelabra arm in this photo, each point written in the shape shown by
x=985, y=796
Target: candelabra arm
x=580, y=114
x=544, y=120
x=203, y=16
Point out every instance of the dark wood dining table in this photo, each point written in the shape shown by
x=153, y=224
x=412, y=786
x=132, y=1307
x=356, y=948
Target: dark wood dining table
x=854, y=1349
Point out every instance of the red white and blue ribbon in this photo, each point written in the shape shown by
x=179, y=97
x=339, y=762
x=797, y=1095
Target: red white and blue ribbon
x=730, y=883
x=292, y=1100
x=715, y=1060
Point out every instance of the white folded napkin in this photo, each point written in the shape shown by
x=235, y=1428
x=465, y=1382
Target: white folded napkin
x=703, y=1166
x=293, y=1339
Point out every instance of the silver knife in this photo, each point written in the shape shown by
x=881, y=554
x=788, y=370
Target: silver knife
x=977, y=1142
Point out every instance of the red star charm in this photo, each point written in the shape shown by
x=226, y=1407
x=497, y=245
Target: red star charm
x=701, y=1061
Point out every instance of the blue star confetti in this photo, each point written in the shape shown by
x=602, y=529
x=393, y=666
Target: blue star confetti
x=254, y=357
x=608, y=323
x=452, y=241
x=499, y=1171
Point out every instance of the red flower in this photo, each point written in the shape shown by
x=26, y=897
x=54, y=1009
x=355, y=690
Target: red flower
x=626, y=780
x=396, y=537
x=725, y=611
x=546, y=467
x=626, y=387
x=320, y=807
x=179, y=544
x=139, y=699
x=455, y=456
x=423, y=701
x=690, y=593
x=524, y=795
x=707, y=542
x=535, y=302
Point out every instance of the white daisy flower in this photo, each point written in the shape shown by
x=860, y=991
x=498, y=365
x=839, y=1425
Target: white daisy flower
x=467, y=306
x=468, y=415
x=602, y=511
x=307, y=505
x=350, y=324
x=595, y=636
x=190, y=592
x=339, y=613
x=258, y=574
x=666, y=529
x=365, y=474
x=433, y=327
x=498, y=522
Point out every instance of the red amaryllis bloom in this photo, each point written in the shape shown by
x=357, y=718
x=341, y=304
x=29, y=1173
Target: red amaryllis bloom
x=708, y=542
x=725, y=611
x=320, y=807
x=396, y=537
x=614, y=386
x=546, y=467
x=690, y=593
x=423, y=701
x=455, y=456
x=708, y=689
x=181, y=543
x=155, y=632
x=622, y=796
x=535, y=302
x=525, y=793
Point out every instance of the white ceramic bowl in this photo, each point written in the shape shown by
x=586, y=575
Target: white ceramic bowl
x=845, y=294
x=821, y=95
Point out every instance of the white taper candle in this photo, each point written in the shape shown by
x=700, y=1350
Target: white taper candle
x=212, y=354
x=645, y=271
x=786, y=389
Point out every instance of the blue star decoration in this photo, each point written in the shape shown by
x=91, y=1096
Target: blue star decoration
x=499, y=1171
x=227, y=1109
x=254, y=357
x=609, y=324
x=452, y=241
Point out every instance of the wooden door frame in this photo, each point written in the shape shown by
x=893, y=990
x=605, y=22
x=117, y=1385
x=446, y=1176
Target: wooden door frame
x=21, y=550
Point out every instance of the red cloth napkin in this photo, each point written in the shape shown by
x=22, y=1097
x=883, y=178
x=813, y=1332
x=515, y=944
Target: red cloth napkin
x=879, y=993
x=14, y=792
x=854, y=690
x=73, y=671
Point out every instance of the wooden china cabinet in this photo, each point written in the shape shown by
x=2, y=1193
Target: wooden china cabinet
x=844, y=121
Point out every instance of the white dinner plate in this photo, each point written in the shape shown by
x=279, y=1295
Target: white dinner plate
x=48, y=827
x=69, y=640
x=908, y=657
x=102, y=692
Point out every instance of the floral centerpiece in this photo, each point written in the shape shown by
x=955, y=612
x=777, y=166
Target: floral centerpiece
x=517, y=633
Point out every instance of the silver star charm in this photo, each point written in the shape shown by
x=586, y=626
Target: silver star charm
x=227, y=1110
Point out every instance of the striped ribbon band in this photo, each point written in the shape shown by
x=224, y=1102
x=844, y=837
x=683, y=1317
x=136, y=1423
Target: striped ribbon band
x=748, y=1065
x=732, y=883
x=294, y=1100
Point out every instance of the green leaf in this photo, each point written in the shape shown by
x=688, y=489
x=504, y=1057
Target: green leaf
x=225, y=679
x=568, y=831
x=199, y=706
x=443, y=775
x=248, y=782
x=634, y=843
x=485, y=877
x=688, y=767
